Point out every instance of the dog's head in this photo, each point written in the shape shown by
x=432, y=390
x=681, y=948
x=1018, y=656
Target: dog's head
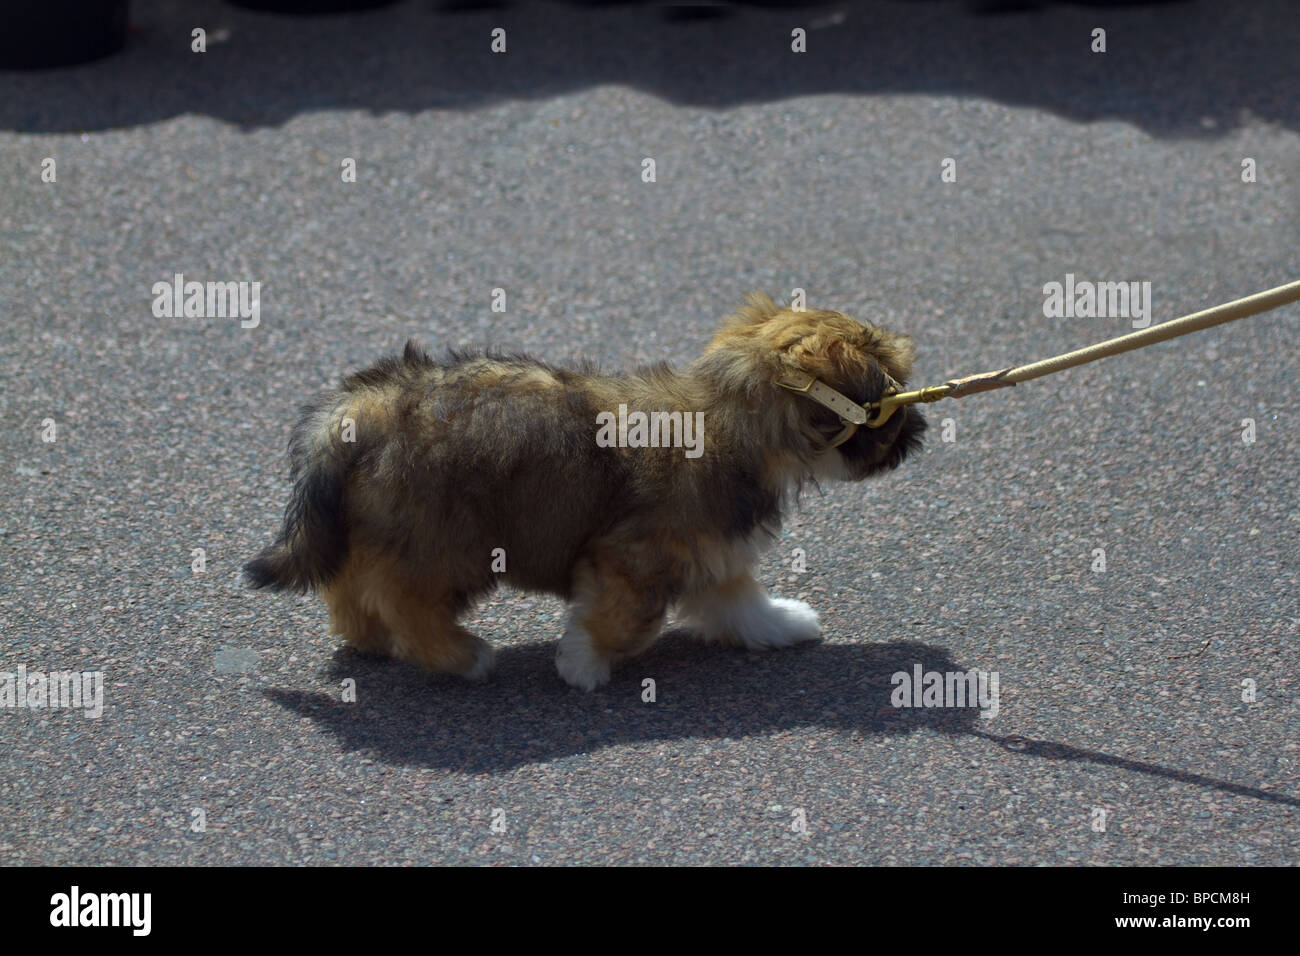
x=769, y=344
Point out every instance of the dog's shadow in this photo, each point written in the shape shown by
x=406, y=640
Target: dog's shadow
x=525, y=714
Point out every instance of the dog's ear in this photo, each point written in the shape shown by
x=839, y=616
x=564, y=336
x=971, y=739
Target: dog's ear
x=842, y=350
x=825, y=357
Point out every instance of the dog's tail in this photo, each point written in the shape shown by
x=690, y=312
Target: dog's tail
x=313, y=543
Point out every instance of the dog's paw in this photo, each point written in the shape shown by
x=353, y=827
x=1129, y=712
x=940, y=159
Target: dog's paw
x=755, y=622
x=780, y=623
x=581, y=665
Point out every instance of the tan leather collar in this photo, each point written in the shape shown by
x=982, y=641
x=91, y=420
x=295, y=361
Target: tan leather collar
x=851, y=413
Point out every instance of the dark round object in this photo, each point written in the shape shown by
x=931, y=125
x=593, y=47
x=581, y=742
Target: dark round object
x=309, y=6
x=38, y=34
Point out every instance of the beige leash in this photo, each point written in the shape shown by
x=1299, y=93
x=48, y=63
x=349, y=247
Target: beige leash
x=1007, y=377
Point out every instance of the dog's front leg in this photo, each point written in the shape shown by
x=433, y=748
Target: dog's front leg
x=739, y=612
x=613, y=617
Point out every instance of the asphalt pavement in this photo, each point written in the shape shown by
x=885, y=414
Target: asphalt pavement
x=1147, y=712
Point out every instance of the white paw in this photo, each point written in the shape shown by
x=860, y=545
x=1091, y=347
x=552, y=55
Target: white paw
x=485, y=658
x=754, y=621
x=580, y=664
x=784, y=621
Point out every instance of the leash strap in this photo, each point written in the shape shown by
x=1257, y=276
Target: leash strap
x=875, y=414
x=1007, y=377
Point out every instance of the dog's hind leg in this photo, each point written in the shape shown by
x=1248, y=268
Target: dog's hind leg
x=376, y=606
x=422, y=622
x=350, y=615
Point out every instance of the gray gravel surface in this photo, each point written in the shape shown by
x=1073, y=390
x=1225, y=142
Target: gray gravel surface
x=774, y=171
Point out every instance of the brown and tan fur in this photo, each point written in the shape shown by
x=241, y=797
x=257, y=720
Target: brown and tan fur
x=397, y=529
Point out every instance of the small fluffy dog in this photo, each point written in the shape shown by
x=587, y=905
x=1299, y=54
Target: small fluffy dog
x=419, y=486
